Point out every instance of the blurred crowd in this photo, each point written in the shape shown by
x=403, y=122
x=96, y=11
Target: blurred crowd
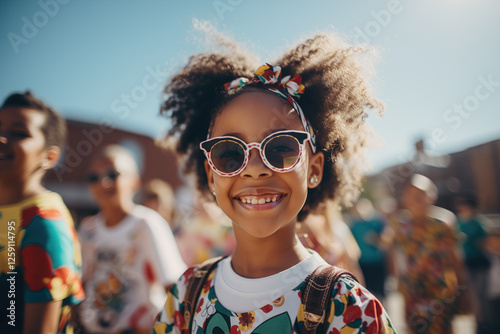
x=145, y=236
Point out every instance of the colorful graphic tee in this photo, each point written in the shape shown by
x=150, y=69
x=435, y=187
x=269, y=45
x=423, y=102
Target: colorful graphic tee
x=125, y=270
x=232, y=304
x=40, y=258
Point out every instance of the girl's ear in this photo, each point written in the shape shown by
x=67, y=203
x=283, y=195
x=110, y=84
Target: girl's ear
x=51, y=157
x=316, y=163
x=210, y=176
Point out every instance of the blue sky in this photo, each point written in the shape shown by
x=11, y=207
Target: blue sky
x=439, y=70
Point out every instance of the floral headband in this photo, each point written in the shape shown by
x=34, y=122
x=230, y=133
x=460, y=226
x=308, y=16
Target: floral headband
x=269, y=77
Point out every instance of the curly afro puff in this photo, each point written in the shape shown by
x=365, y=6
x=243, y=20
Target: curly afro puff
x=337, y=95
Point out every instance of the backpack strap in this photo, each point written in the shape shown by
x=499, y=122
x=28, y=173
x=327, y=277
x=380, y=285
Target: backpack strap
x=316, y=296
x=194, y=286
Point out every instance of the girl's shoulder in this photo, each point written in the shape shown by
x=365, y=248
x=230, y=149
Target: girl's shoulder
x=353, y=306
x=198, y=271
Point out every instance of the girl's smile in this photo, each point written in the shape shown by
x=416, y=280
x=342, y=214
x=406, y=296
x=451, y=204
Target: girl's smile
x=259, y=199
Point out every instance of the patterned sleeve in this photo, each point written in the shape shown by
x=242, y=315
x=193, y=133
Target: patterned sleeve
x=447, y=240
x=172, y=315
x=48, y=258
x=354, y=308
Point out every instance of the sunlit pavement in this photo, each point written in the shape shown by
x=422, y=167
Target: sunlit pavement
x=395, y=308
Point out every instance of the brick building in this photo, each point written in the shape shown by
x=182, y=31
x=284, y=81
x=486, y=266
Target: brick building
x=474, y=170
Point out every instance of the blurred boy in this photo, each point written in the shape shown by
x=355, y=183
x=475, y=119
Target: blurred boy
x=39, y=250
x=130, y=255
x=471, y=224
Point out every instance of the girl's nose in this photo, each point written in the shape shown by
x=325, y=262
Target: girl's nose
x=106, y=182
x=255, y=167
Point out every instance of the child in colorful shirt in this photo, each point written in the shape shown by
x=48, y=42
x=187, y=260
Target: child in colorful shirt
x=40, y=255
x=426, y=260
x=130, y=257
x=307, y=152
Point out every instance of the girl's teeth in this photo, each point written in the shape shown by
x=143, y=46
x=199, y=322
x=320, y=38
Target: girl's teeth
x=254, y=200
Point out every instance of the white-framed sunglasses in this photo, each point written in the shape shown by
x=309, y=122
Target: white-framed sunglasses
x=281, y=151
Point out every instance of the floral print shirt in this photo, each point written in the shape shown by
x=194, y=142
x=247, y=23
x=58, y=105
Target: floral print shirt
x=353, y=310
x=425, y=254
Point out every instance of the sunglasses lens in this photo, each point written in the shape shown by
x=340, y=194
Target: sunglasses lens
x=112, y=175
x=282, y=151
x=227, y=156
x=92, y=178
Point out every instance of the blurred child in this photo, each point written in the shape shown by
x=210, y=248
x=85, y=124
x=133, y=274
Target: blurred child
x=39, y=251
x=325, y=232
x=130, y=257
x=159, y=196
x=471, y=224
x=268, y=159
x=368, y=226
x=427, y=263
x=207, y=233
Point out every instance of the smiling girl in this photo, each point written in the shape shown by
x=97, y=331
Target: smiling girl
x=269, y=146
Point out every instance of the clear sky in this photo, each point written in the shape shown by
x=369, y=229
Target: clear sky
x=439, y=70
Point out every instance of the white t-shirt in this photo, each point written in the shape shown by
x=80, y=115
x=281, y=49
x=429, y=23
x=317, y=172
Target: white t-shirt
x=125, y=270
x=240, y=294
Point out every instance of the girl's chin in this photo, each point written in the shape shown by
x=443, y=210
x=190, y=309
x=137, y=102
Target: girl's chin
x=260, y=228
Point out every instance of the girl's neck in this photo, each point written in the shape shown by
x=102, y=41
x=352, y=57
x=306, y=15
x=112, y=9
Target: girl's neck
x=15, y=192
x=262, y=257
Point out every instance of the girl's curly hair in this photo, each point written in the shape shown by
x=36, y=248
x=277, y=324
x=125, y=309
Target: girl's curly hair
x=335, y=100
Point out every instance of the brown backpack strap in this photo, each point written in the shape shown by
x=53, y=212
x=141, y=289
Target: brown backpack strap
x=194, y=286
x=316, y=296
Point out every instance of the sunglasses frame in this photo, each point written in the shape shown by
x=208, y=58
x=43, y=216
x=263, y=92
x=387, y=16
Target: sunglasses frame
x=110, y=174
x=301, y=137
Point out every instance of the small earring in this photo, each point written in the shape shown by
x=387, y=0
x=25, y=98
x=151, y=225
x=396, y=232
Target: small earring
x=45, y=164
x=313, y=180
x=213, y=192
